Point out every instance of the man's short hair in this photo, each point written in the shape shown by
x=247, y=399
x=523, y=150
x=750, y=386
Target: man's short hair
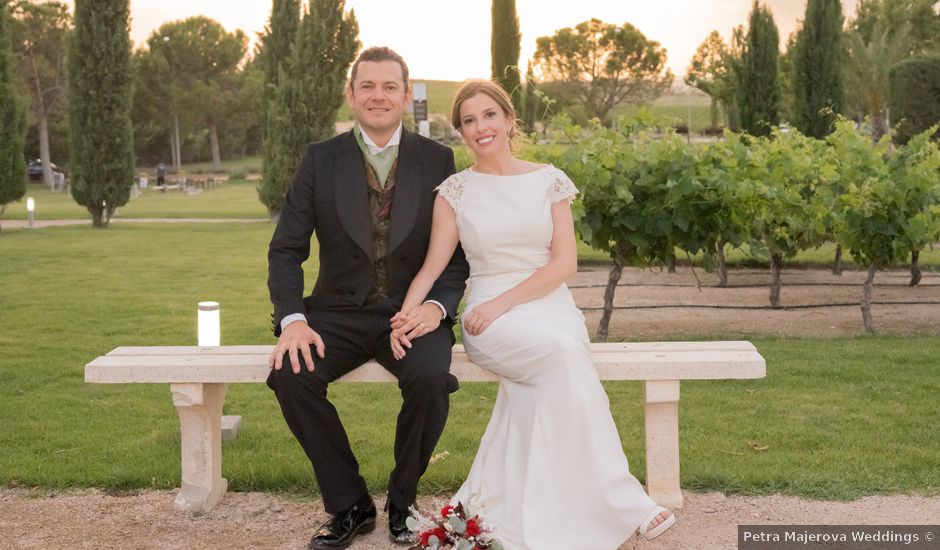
x=379, y=53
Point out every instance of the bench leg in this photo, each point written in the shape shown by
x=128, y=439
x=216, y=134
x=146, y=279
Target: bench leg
x=662, y=442
x=200, y=411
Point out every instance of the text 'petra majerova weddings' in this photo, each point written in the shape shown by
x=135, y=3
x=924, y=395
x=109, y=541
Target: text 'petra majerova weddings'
x=884, y=536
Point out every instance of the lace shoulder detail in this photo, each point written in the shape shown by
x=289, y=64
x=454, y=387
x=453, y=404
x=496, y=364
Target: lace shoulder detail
x=562, y=187
x=452, y=189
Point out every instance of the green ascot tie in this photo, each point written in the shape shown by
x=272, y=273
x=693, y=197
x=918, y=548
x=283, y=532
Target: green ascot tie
x=380, y=162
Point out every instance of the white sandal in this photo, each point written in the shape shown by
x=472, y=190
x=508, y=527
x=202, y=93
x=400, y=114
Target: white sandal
x=661, y=527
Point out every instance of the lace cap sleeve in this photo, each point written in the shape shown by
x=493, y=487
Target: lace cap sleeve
x=562, y=187
x=452, y=190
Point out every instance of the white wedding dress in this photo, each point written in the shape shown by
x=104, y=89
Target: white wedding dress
x=550, y=472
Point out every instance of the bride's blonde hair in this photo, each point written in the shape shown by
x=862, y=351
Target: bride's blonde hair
x=495, y=92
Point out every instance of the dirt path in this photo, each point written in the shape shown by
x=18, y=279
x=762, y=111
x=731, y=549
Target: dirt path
x=672, y=305
x=20, y=224
x=146, y=520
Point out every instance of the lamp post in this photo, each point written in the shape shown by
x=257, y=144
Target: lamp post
x=30, y=209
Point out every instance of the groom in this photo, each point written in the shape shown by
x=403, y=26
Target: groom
x=368, y=195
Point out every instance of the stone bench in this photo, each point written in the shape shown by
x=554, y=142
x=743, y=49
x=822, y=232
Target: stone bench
x=199, y=377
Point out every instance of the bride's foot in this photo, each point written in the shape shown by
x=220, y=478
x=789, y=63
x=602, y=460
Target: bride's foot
x=659, y=520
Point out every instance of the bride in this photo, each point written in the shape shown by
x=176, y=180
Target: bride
x=550, y=472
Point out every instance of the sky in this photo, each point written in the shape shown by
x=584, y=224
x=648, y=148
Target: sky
x=448, y=40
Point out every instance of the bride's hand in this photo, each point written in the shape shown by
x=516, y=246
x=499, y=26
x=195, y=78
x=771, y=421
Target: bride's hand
x=482, y=316
x=397, y=321
x=398, y=351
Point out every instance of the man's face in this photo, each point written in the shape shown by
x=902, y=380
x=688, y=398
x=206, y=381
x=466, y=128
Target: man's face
x=378, y=97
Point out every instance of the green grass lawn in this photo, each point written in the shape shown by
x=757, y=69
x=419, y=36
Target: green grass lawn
x=235, y=199
x=842, y=418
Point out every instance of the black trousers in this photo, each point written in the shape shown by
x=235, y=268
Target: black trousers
x=353, y=337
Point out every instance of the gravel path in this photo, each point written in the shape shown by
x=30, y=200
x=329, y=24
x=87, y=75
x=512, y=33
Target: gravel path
x=20, y=224
x=96, y=520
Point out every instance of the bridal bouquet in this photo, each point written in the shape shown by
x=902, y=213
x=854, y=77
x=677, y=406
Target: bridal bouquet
x=451, y=529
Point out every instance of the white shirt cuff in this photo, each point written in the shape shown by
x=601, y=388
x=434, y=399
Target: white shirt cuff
x=440, y=305
x=288, y=319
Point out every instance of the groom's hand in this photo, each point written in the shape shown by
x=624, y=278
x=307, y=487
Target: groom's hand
x=416, y=323
x=295, y=340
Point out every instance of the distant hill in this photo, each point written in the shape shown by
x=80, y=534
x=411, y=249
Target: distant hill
x=673, y=106
x=440, y=97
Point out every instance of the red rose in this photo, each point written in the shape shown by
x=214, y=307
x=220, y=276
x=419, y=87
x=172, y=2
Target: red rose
x=473, y=528
x=445, y=511
x=440, y=533
x=423, y=537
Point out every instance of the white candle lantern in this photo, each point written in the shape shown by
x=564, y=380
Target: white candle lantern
x=209, y=328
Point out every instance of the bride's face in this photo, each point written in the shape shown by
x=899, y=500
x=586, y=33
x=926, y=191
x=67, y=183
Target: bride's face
x=484, y=126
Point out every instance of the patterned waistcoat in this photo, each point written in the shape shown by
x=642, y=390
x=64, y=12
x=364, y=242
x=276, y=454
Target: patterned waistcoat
x=380, y=207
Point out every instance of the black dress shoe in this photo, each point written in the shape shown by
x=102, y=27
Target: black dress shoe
x=343, y=527
x=398, y=531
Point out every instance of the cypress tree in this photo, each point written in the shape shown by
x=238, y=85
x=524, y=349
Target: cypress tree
x=759, y=87
x=817, y=68
x=309, y=93
x=530, y=104
x=100, y=129
x=276, y=51
x=279, y=40
x=12, y=121
x=915, y=95
x=504, y=49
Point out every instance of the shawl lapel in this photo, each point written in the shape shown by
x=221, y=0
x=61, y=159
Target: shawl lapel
x=406, y=199
x=352, y=197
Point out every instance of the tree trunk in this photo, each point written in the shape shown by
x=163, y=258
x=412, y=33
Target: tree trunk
x=214, y=141
x=672, y=262
x=722, y=266
x=915, y=267
x=274, y=215
x=775, y=265
x=97, y=217
x=837, y=263
x=879, y=126
x=866, y=300
x=173, y=160
x=43, y=126
x=615, y=272
x=178, y=151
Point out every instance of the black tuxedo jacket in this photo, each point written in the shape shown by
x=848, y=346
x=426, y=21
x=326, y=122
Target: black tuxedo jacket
x=329, y=196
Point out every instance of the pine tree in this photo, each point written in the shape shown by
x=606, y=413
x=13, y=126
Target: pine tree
x=817, y=68
x=100, y=87
x=12, y=121
x=759, y=87
x=276, y=52
x=309, y=93
x=504, y=49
